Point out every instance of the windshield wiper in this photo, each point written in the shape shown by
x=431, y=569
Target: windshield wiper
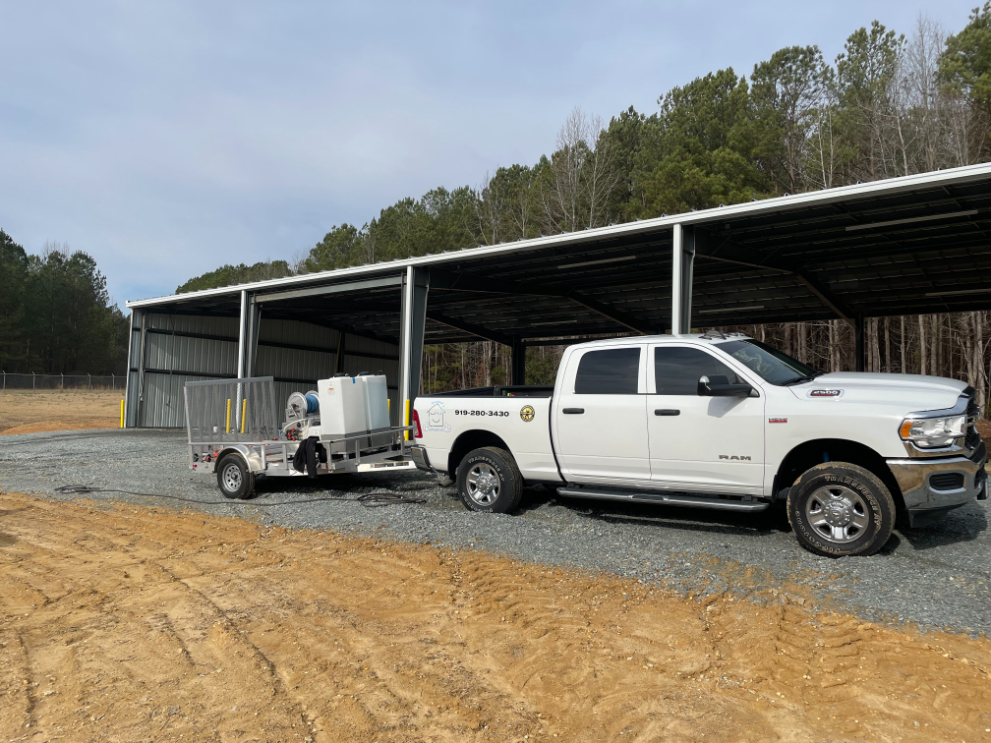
x=801, y=379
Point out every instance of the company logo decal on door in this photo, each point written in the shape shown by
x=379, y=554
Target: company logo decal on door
x=527, y=413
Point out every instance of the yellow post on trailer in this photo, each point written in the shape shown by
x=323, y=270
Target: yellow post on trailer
x=228, y=415
x=244, y=411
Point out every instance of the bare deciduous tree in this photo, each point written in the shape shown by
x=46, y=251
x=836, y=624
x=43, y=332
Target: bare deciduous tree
x=582, y=176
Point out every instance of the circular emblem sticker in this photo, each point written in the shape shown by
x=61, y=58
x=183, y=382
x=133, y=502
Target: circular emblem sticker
x=527, y=413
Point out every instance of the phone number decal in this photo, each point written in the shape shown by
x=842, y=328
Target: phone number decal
x=494, y=413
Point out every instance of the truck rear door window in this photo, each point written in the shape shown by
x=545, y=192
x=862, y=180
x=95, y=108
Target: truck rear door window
x=677, y=370
x=611, y=372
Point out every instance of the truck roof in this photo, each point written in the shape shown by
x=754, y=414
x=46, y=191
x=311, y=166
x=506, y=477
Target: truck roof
x=707, y=337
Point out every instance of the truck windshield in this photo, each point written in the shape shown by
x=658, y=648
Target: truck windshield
x=770, y=363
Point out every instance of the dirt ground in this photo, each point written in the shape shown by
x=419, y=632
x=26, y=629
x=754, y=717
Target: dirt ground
x=31, y=411
x=120, y=623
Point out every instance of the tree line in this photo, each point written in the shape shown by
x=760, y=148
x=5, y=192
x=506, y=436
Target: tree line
x=888, y=105
x=55, y=314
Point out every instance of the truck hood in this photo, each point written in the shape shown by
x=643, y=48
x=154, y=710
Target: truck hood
x=915, y=392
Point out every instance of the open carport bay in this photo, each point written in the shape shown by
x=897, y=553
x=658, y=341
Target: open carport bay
x=938, y=577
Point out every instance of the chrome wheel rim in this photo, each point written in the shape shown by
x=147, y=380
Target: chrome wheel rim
x=838, y=514
x=483, y=484
x=232, y=478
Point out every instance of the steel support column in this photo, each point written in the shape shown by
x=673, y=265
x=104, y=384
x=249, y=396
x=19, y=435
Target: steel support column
x=242, y=337
x=254, y=329
x=859, y=350
x=132, y=391
x=682, y=268
x=416, y=284
x=518, y=361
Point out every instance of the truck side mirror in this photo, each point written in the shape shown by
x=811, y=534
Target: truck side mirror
x=719, y=386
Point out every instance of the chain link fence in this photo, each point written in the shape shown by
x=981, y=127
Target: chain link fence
x=12, y=381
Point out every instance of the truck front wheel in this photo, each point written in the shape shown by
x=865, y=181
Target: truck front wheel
x=839, y=509
x=489, y=480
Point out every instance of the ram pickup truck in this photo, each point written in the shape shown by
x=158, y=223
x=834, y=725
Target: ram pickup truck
x=716, y=421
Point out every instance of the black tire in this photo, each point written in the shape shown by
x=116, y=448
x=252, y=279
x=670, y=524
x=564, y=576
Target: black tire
x=234, y=478
x=839, y=509
x=498, y=484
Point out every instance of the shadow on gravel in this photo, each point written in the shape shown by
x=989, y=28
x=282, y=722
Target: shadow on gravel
x=688, y=519
x=964, y=524
x=346, y=484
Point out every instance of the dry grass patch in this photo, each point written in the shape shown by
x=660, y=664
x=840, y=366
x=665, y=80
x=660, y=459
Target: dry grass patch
x=31, y=411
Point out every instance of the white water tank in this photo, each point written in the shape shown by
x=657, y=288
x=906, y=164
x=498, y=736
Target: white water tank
x=342, y=409
x=375, y=391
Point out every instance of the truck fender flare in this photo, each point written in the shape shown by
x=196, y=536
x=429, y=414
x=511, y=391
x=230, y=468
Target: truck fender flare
x=470, y=440
x=819, y=451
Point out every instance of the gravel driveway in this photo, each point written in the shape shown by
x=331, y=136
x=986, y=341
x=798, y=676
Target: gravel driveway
x=938, y=576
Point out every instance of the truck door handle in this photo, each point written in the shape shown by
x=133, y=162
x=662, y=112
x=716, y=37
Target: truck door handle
x=667, y=411
x=573, y=411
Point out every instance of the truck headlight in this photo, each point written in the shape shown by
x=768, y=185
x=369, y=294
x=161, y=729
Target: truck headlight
x=934, y=433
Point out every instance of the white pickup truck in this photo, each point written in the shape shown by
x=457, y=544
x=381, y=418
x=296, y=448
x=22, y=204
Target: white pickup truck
x=716, y=421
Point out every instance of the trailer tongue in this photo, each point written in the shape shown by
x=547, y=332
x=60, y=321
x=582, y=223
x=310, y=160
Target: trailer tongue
x=236, y=431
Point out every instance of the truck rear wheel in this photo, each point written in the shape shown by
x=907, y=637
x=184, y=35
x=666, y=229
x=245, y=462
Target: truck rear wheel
x=839, y=509
x=489, y=480
x=236, y=481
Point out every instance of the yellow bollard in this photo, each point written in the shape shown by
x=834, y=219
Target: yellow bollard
x=406, y=423
x=228, y=415
x=244, y=411
x=121, y=413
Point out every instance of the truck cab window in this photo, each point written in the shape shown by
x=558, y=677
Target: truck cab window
x=610, y=372
x=677, y=370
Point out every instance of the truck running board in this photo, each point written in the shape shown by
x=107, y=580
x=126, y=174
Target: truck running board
x=661, y=499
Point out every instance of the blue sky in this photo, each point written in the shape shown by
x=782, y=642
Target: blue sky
x=168, y=138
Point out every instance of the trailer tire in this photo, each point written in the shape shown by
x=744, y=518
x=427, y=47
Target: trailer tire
x=839, y=509
x=234, y=478
x=489, y=481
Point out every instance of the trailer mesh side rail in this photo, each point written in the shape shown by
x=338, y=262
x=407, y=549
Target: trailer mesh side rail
x=227, y=411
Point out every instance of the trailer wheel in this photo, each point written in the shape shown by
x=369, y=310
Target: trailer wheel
x=839, y=509
x=236, y=481
x=490, y=481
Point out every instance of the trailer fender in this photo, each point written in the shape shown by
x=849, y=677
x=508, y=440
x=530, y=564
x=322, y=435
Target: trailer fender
x=253, y=458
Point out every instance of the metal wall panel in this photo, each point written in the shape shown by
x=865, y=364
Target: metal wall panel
x=205, y=324
x=290, y=363
x=356, y=344
x=132, y=405
x=200, y=358
x=356, y=364
x=297, y=333
x=164, y=404
x=194, y=355
x=135, y=349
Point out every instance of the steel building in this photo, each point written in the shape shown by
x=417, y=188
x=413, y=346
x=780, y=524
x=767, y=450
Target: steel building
x=916, y=244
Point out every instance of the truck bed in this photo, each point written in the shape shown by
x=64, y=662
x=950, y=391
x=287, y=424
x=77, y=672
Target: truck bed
x=519, y=416
x=517, y=390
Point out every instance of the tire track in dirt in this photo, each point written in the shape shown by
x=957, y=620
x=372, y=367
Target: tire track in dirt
x=152, y=623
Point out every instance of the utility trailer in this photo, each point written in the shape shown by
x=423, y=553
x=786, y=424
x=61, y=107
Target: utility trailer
x=236, y=431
